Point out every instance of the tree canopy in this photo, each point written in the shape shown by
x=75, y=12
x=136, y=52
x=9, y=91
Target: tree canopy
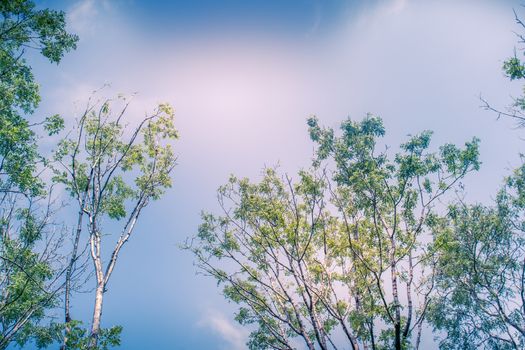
x=29, y=239
x=342, y=252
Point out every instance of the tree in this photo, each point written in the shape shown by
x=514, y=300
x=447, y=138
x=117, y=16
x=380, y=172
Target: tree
x=481, y=303
x=328, y=258
x=29, y=237
x=397, y=198
x=480, y=300
x=112, y=171
x=262, y=250
x=30, y=269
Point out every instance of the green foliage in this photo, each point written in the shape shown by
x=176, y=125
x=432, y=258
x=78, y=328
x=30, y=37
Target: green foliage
x=22, y=26
x=113, y=170
x=263, y=230
x=514, y=68
x=79, y=339
x=78, y=336
x=54, y=124
x=312, y=258
x=481, y=265
x=143, y=157
x=27, y=272
x=27, y=276
x=394, y=198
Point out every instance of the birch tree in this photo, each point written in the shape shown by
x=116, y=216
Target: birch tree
x=341, y=258
x=113, y=170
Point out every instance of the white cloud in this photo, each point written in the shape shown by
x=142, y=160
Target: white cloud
x=84, y=16
x=396, y=6
x=81, y=15
x=235, y=337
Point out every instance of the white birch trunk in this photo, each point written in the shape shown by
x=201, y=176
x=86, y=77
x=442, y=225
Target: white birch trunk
x=97, y=315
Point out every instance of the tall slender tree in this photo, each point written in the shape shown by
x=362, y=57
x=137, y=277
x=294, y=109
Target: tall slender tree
x=113, y=171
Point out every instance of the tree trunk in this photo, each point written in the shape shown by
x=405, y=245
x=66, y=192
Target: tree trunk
x=67, y=315
x=97, y=315
x=393, y=271
x=69, y=274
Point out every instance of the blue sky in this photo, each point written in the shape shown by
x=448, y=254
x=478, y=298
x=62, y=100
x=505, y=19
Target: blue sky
x=243, y=77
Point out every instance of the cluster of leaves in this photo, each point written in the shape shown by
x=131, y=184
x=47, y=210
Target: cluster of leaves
x=101, y=155
x=79, y=337
x=481, y=303
x=27, y=275
x=23, y=27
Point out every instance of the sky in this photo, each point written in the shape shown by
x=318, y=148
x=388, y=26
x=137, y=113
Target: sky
x=243, y=77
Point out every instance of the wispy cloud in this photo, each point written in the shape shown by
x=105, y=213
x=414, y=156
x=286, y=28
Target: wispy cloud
x=396, y=6
x=83, y=16
x=235, y=337
x=80, y=17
